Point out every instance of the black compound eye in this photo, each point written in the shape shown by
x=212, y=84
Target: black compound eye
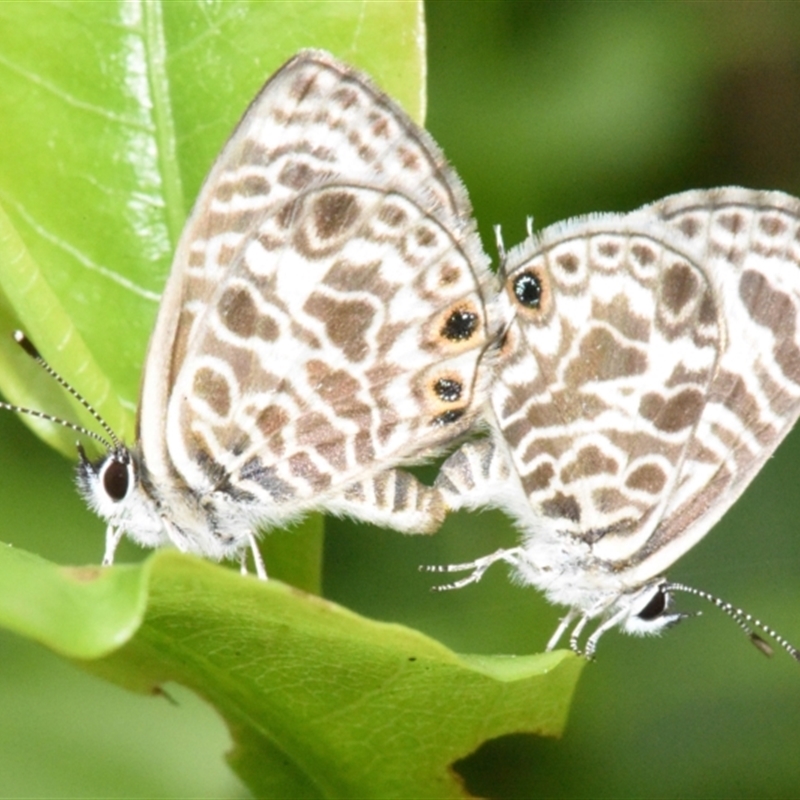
x=528, y=290
x=655, y=608
x=116, y=480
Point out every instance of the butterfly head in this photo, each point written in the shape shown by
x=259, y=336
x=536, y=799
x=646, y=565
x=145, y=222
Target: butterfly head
x=648, y=611
x=112, y=486
x=641, y=611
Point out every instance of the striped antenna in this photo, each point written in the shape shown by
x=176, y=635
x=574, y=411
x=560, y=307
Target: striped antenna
x=27, y=345
x=744, y=620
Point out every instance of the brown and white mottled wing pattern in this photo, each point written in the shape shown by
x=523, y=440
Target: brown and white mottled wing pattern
x=323, y=321
x=652, y=365
x=604, y=380
x=345, y=339
x=749, y=243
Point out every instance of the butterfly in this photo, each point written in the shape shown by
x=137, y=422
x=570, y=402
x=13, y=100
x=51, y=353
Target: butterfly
x=651, y=364
x=325, y=315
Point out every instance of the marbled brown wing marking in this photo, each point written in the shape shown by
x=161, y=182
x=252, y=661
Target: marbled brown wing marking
x=385, y=369
x=315, y=122
x=605, y=381
x=749, y=244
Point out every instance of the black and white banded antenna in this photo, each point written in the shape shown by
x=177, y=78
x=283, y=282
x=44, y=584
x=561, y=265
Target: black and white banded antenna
x=744, y=620
x=111, y=444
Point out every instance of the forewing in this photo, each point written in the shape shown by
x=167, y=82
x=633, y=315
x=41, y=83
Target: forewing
x=315, y=123
x=604, y=379
x=749, y=245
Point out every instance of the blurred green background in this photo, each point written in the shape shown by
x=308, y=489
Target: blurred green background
x=550, y=110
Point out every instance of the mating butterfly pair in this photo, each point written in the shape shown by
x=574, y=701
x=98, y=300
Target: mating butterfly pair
x=331, y=316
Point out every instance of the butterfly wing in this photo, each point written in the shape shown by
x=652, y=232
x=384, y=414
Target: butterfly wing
x=615, y=343
x=321, y=357
x=325, y=316
x=749, y=245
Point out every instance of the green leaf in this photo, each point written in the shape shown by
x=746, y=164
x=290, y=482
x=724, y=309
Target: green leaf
x=320, y=702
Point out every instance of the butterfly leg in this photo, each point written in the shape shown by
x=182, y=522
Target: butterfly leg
x=258, y=561
x=511, y=556
x=611, y=622
x=566, y=621
x=392, y=499
x=113, y=538
x=475, y=476
x=575, y=635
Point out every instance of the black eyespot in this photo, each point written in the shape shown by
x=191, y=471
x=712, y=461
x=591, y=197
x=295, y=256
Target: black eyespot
x=460, y=325
x=528, y=289
x=448, y=390
x=448, y=417
x=655, y=608
x=115, y=480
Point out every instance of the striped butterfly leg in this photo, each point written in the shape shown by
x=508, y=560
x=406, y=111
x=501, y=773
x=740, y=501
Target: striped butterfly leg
x=392, y=499
x=476, y=476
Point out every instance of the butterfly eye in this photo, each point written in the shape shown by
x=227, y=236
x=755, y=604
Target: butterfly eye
x=655, y=608
x=116, y=480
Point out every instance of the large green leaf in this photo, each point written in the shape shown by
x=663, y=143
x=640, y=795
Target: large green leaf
x=320, y=702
